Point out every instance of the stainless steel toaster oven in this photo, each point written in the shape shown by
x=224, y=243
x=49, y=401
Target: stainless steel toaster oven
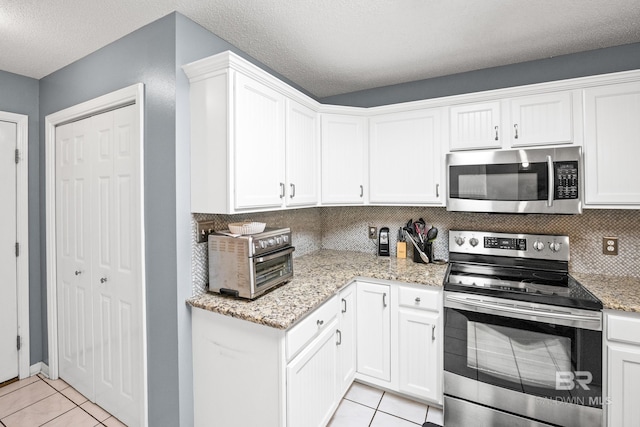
x=247, y=266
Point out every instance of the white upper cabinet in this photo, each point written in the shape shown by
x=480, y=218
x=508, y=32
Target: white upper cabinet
x=405, y=164
x=540, y=119
x=475, y=126
x=259, y=145
x=612, y=145
x=344, y=156
x=303, y=155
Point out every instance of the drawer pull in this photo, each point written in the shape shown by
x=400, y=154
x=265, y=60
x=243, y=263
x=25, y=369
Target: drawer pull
x=320, y=322
x=339, y=342
x=417, y=300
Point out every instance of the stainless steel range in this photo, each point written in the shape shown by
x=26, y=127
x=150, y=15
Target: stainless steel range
x=523, y=339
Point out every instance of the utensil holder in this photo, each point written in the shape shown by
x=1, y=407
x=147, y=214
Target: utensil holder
x=427, y=248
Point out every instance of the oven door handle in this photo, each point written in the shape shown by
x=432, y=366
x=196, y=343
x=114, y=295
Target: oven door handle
x=275, y=255
x=523, y=311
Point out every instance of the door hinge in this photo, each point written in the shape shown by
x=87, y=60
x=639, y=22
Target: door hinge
x=19, y=342
x=17, y=156
x=17, y=249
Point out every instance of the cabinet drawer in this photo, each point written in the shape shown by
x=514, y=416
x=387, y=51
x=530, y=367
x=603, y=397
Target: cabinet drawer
x=423, y=299
x=310, y=326
x=623, y=328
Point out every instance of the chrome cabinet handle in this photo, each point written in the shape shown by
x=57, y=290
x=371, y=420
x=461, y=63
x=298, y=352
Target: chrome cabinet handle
x=496, y=128
x=437, y=190
x=361, y=190
x=320, y=322
x=77, y=272
x=433, y=332
x=282, y=190
x=516, y=129
x=384, y=299
x=552, y=181
x=103, y=280
x=293, y=190
x=339, y=342
x=417, y=300
x=344, y=305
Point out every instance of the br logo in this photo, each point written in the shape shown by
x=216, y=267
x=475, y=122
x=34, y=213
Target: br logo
x=567, y=380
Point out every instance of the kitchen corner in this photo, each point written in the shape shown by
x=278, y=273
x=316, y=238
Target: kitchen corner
x=319, y=276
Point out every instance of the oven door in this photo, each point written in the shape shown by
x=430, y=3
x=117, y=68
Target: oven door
x=517, y=181
x=524, y=358
x=270, y=270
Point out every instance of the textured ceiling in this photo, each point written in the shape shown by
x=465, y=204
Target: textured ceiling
x=330, y=46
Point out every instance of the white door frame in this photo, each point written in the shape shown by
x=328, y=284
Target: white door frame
x=120, y=98
x=22, y=232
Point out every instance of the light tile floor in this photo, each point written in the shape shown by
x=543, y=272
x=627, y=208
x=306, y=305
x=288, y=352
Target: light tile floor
x=365, y=406
x=39, y=401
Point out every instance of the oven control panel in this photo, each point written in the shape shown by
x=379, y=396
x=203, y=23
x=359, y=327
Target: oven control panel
x=541, y=246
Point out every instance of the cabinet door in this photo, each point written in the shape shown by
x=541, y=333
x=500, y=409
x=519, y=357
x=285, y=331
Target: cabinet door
x=343, y=159
x=475, y=126
x=404, y=157
x=418, y=345
x=624, y=385
x=612, y=145
x=302, y=155
x=347, y=339
x=259, y=146
x=541, y=120
x=374, y=327
x=311, y=381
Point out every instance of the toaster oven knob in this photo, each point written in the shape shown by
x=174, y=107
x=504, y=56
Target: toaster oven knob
x=473, y=242
x=555, y=246
x=538, y=245
x=278, y=240
x=263, y=244
x=271, y=242
x=285, y=238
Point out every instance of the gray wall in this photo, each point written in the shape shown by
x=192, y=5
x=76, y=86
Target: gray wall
x=147, y=56
x=19, y=95
x=600, y=61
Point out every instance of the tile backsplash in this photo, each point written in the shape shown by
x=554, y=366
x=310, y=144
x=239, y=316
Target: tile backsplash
x=345, y=228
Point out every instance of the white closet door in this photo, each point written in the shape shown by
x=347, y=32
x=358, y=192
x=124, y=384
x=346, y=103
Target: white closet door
x=73, y=245
x=117, y=265
x=98, y=234
x=8, y=284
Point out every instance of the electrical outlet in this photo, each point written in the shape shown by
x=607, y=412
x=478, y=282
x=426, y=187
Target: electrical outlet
x=373, y=232
x=610, y=245
x=204, y=229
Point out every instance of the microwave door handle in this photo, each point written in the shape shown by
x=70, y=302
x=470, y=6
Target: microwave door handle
x=552, y=183
x=275, y=255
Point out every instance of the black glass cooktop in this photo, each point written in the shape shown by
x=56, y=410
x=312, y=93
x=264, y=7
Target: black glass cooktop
x=517, y=283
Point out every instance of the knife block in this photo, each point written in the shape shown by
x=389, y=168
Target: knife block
x=401, y=249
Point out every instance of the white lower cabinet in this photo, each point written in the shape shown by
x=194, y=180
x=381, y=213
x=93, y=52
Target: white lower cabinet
x=297, y=377
x=623, y=369
x=347, y=338
x=374, y=330
x=311, y=381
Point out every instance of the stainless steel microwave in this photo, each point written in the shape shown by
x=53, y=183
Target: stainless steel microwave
x=545, y=180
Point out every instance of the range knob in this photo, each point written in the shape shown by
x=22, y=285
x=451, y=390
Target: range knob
x=459, y=240
x=473, y=242
x=538, y=245
x=555, y=246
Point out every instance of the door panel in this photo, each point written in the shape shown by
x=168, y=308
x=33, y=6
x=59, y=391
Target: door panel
x=8, y=285
x=73, y=266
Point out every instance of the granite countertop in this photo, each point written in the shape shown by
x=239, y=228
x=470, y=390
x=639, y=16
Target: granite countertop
x=317, y=277
x=615, y=292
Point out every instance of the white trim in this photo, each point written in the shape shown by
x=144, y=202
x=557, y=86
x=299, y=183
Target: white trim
x=133, y=94
x=39, y=368
x=22, y=236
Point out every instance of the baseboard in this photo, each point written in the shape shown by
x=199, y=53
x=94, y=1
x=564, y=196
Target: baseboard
x=39, y=368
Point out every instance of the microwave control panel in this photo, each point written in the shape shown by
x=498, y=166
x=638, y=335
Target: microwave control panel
x=566, y=176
